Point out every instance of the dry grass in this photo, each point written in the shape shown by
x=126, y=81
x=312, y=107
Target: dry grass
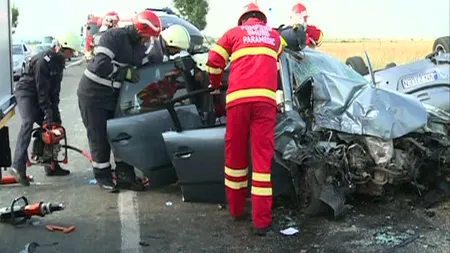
x=381, y=52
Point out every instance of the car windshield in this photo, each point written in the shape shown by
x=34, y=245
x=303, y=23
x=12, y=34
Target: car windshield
x=311, y=62
x=17, y=50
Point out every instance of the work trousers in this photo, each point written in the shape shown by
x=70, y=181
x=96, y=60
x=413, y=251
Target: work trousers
x=29, y=113
x=254, y=121
x=95, y=119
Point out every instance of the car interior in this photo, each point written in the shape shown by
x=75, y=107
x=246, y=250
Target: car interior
x=170, y=85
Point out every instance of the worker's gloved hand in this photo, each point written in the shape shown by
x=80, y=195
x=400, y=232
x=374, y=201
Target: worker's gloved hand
x=215, y=91
x=132, y=75
x=179, y=64
x=129, y=74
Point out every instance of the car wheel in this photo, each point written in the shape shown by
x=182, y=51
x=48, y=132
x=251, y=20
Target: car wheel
x=310, y=190
x=391, y=65
x=442, y=44
x=357, y=63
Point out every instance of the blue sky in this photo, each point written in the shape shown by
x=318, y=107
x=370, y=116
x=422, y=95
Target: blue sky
x=337, y=18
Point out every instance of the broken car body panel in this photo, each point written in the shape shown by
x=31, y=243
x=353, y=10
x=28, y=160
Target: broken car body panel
x=427, y=79
x=344, y=101
x=335, y=125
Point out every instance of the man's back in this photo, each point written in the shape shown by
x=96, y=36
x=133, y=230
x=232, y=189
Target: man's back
x=49, y=64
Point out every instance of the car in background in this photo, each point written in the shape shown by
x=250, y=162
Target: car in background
x=21, y=53
x=428, y=79
x=41, y=47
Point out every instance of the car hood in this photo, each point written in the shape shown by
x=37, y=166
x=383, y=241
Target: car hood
x=343, y=100
x=18, y=57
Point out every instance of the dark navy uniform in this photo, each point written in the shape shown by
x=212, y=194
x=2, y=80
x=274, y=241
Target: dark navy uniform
x=37, y=95
x=118, y=51
x=295, y=36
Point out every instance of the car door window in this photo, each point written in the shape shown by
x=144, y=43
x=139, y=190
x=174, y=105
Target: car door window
x=159, y=84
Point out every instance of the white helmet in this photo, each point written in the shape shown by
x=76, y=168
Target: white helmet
x=176, y=36
x=69, y=40
x=201, y=60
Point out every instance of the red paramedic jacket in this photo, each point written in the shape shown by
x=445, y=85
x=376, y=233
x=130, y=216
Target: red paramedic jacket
x=253, y=50
x=314, y=36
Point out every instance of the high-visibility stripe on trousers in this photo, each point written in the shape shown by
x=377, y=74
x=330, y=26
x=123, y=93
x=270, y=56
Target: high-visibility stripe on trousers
x=254, y=122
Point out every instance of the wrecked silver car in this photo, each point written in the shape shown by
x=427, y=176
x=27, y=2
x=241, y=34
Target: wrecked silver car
x=343, y=135
x=335, y=134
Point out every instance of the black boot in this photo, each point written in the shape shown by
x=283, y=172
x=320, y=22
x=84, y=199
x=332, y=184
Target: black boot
x=263, y=231
x=57, y=171
x=105, y=180
x=126, y=178
x=21, y=176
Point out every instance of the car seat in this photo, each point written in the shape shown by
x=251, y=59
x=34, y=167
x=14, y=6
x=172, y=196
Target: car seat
x=204, y=101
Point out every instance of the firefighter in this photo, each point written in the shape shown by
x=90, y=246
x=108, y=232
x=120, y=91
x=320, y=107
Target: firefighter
x=109, y=21
x=117, y=55
x=299, y=18
x=172, y=41
x=253, y=49
x=37, y=95
x=294, y=37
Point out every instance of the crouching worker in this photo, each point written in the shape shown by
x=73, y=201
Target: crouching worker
x=37, y=94
x=119, y=52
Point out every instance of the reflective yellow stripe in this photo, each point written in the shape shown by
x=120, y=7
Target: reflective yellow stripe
x=212, y=70
x=251, y=93
x=221, y=51
x=261, y=177
x=319, y=41
x=7, y=117
x=236, y=185
x=253, y=51
x=236, y=172
x=282, y=45
x=262, y=191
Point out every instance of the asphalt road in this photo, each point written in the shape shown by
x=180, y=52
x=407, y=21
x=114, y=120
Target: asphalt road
x=158, y=221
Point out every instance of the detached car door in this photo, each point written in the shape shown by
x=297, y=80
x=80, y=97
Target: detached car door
x=141, y=118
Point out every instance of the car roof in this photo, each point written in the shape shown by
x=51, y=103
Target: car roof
x=168, y=18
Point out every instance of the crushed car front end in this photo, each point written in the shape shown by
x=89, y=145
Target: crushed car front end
x=346, y=135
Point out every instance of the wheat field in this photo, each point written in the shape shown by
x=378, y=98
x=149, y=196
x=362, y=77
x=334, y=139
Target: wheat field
x=381, y=52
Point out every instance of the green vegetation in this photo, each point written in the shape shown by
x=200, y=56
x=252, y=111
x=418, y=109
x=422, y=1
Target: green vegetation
x=194, y=11
x=15, y=16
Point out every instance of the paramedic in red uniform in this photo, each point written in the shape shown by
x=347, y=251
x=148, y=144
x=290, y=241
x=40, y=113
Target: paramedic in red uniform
x=299, y=16
x=253, y=49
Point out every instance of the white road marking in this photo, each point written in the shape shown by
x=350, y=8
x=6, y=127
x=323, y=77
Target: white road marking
x=75, y=63
x=129, y=221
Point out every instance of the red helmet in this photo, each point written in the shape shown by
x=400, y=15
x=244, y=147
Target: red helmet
x=299, y=14
x=111, y=19
x=252, y=8
x=147, y=24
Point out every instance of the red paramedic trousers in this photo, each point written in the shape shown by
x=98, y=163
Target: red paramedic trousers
x=254, y=121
